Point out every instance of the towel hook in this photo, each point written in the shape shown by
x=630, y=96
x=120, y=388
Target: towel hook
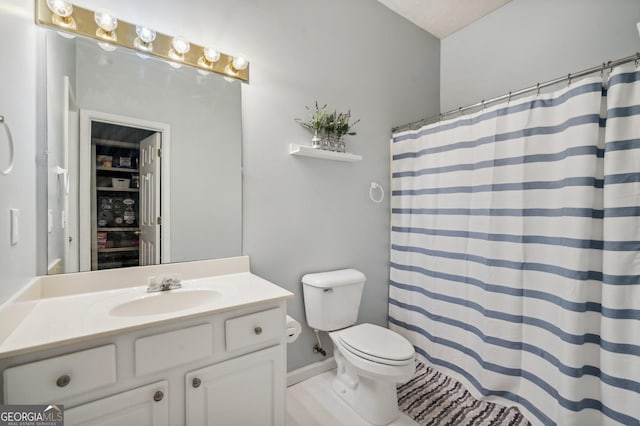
x=374, y=186
x=4, y=124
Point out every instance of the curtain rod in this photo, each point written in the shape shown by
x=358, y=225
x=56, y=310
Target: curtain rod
x=429, y=120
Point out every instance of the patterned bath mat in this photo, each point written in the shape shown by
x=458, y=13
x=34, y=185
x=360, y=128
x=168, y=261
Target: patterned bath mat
x=432, y=398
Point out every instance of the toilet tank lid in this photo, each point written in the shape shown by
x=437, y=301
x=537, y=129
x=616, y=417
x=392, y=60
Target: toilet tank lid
x=334, y=278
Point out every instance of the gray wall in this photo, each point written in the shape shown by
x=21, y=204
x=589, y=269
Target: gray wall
x=305, y=215
x=18, y=106
x=531, y=41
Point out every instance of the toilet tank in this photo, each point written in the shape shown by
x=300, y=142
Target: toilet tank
x=332, y=299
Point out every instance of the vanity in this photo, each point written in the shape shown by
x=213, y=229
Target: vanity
x=210, y=352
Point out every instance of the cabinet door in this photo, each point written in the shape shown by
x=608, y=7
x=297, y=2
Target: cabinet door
x=244, y=391
x=147, y=405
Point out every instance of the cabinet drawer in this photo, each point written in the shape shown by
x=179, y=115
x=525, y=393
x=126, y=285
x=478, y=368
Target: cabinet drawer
x=55, y=379
x=249, y=330
x=161, y=352
x=147, y=405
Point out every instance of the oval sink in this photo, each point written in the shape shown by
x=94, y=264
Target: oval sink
x=164, y=302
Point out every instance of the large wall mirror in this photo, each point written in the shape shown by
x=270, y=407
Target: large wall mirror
x=144, y=159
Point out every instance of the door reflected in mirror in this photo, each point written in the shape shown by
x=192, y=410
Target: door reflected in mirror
x=144, y=160
x=125, y=198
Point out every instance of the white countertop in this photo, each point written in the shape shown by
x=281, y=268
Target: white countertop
x=53, y=320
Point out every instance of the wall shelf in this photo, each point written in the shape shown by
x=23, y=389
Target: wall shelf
x=117, y=249
x=115, y=144
x=116, y=169
x=111, y=189
x=307, y=151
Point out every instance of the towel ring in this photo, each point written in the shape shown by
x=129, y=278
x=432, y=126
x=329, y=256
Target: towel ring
x=373, y=187
x=11, y=152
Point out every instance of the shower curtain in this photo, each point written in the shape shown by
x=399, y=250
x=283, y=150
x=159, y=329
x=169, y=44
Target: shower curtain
x=515, y=250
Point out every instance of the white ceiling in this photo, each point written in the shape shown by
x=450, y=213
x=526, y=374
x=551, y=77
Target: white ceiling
x=443, y=17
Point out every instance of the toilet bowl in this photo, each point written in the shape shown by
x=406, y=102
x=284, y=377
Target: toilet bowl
x=371, y=359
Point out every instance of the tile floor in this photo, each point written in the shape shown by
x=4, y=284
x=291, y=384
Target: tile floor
x=314, y=403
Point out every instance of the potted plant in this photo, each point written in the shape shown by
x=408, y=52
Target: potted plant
x=328, y=127
x=316, y=123
x=343, y=125
x=337, y=125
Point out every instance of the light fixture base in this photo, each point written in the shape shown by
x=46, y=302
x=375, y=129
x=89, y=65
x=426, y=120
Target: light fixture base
x=82, y=22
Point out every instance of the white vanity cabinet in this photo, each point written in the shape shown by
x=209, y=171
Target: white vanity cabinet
x=226, y=368
x=247, y=390
x=243, y=391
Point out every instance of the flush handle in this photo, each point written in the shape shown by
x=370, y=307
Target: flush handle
x=63, y=381
x=196, y=382
x=157, y=397
x=328, y=290
x=258, y=330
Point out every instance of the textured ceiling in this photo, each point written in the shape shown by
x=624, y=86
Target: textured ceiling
x=443, y=17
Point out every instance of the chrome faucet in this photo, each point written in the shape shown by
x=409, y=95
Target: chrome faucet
x=168, y=283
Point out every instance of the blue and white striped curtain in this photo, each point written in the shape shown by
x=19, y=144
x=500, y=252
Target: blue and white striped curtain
x=515, y=257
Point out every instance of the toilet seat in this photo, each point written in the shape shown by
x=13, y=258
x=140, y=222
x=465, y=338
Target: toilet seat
x=376, y=344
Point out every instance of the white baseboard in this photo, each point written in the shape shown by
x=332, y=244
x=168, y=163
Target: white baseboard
x=308, y=371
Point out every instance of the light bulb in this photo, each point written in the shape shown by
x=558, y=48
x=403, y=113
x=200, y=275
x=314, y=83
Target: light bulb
x=239, y=63
x=62, y=11
x=108, y=47
x=180, y=44
x=146, y=34
x=66, y=35
x=60, y=8
x=145, y=38
x=105, y=20
x=174, y=65
x=211, y=54
x=203, y=72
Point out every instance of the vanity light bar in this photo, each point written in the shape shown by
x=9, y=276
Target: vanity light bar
x=82, y=22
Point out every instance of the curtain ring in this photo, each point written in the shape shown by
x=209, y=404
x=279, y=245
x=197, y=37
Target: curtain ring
x=11, y=151
x=459, y=111
x=569, y=79
x=509, y=98
x=637, y=59
x=538, y=89
x=482, y=105
x=602, y=70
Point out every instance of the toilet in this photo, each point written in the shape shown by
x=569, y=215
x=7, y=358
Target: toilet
x=371, y=359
